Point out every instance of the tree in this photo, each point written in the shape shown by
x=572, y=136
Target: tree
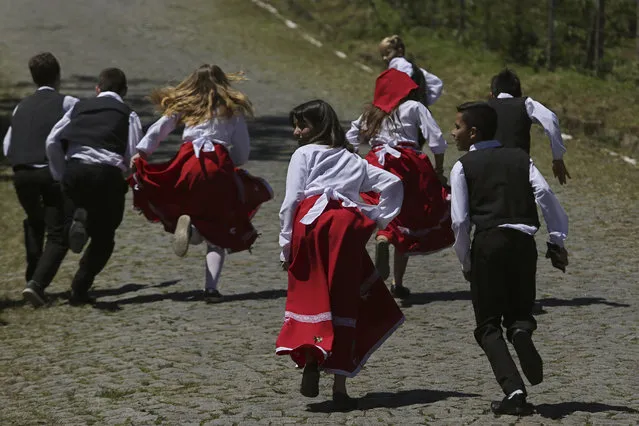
x=550, y=63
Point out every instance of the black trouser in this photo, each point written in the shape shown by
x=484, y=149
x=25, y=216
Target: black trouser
x=504, y=265
x=42, y=201
x=100, y=190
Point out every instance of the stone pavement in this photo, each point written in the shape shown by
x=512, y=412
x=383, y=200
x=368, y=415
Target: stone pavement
x=152, y=352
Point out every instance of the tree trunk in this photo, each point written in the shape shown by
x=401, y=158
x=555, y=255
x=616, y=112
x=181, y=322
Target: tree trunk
x=550, y=63
x=599, y=36
x=637, y=31
x=462, y=18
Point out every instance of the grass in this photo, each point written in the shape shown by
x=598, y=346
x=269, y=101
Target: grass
x=609, y=107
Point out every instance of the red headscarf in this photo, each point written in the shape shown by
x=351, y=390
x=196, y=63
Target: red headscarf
x=391, y=87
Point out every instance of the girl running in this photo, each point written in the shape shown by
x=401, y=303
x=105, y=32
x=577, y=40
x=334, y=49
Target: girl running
x=338, y=310
x=201, y=195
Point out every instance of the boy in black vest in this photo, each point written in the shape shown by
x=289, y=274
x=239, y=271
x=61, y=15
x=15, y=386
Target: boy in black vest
x=40, y=196
x=89, y=149
x=517, y=113
x=495, y=189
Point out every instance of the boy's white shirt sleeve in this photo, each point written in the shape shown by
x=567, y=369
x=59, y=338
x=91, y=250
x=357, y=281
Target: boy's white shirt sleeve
x=135, y=135
x=391, y=193
x=6, y=143
x=431, y=131
x=554, y=215
x=434, y=86
x=550, y=123
x=158, y=132
x=241, y=142
x=295, y=185
x=460, y=215
x=54, y=149
x=353, y=134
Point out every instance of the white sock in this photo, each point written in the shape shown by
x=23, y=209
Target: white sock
x=214, y=261
x=517, y=392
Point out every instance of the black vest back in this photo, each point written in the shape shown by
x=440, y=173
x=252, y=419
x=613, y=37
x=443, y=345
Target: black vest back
x=30, y=125
x=101, y=122
x=513, y=123
x=499, y=189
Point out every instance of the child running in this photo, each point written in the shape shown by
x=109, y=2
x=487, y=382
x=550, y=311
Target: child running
x=495, y=188
x=392, y=51
x=391, y=126
x=200, y=195
x=338, y=310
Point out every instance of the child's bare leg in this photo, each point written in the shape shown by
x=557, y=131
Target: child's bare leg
x=339, y=384
x=310, y=377
x=400, y=261
x=381, y=256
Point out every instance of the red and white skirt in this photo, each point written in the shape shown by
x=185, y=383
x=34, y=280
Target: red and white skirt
x=337, y=306
x=219, y=198
x=424, y=224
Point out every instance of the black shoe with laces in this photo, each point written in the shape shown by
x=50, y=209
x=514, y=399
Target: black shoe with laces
x=515, y=406
x=34, y=294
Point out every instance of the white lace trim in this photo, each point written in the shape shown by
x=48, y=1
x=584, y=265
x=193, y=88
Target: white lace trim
x=324, y=316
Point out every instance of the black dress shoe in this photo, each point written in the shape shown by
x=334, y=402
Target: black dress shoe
x=81, y=298
x=400, y=292
x=343, y=402
x=213, y=296
x=34, y=294
x=529, y=359
x=515, y=406
x=310, y=380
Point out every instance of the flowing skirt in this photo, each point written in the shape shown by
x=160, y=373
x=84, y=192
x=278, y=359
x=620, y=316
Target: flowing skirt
x=424, y=223
x=337, y=306
x=219, y=198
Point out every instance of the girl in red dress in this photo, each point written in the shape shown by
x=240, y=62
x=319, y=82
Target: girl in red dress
x=338, y=310
x=201, y=195
x=391, y=125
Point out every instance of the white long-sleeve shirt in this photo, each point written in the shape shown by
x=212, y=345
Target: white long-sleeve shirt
x=541, y=115
x=67, y=103
x=554, y=215
x=335, y=174
x=404, y=125
x=232, y=133
x=86, y=154
x=434, y=85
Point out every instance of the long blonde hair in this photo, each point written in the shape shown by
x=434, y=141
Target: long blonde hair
x=203, y=95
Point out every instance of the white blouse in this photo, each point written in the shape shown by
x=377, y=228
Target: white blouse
x=434, y=85
x=403, y=125
x=229, y=132
x=336, y=174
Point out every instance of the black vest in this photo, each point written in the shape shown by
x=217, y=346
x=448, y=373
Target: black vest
x=101, y=122
x=499, y=189
x=513, y=122
x=30, y=125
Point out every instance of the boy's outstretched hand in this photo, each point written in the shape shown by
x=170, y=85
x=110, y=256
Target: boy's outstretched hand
x=558, y=256
x=560, y=171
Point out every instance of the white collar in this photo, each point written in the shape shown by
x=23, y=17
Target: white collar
x=485, y=144
x=112, y=95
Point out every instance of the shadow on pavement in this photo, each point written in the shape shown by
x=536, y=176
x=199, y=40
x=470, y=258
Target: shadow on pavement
x=580, y=301
x=392, y=399
x=184, y=296
x=437, y=296
x=562, y=409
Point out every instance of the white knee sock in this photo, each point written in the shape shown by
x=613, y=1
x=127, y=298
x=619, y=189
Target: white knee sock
x=214, y=262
